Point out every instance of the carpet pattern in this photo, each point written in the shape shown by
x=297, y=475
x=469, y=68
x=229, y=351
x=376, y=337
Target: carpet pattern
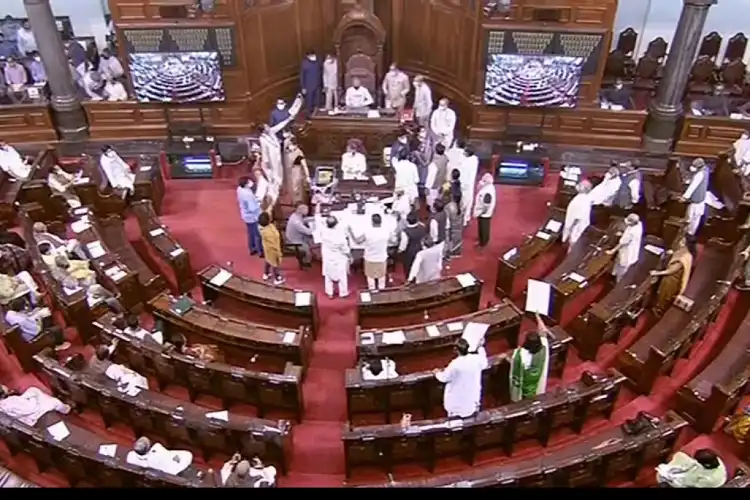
x=202, y=215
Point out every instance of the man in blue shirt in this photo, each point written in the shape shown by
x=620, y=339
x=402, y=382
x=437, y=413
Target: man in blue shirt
x=38, y=73
x=249, y=212
x=30, y=323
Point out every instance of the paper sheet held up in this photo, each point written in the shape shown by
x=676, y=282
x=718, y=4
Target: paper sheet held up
x=538, y=295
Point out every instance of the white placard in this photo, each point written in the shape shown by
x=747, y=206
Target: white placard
x=576, y=277
x=365, y=297
x=58, y=431
x=156, y=232
x=553, y=226
x=433, y=331
x=542, y=235
x=510, y=253
x=394, y=337
x=466, y=279
x=302, y=299
x=177, y=251
x=96, y=249
x=221, y=278
x=653, y=249
x=147, y=168
x=80, y=226
x=379, y=180
x=456, y=326
x=219, y=415
x=474, y=334
x=367, y=338
x=569, y=183
x=289, y=337
x=108, y=450
x=538, y=295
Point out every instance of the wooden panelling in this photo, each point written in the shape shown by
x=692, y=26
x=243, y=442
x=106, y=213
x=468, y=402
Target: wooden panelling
x=151, y=10
x=582, y=126
x=26, y=123
x=575, y=14
x=708, y=136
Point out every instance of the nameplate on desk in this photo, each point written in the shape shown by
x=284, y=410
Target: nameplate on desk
x=156, y=232
x=510, y=254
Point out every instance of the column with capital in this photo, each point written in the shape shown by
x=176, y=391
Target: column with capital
x=70, y=118
x=667, y=108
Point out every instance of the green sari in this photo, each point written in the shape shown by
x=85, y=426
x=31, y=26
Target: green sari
x=529, y=382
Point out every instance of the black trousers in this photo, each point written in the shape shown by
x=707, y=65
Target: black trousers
x=484, y=224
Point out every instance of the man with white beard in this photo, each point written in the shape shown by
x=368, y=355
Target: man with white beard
x=443, y=123
x=407, y=176
x=13, y=163
x=335, y=252
x=422, y=101
x=628, y=249
x=272, y=160
x=605, y=193
x=118, y=173
x=395, y=88
x=578, y=215
x=469, y=168
x=695, y=194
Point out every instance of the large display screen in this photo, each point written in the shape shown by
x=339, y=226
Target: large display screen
x=537, y=81
x=177, y=77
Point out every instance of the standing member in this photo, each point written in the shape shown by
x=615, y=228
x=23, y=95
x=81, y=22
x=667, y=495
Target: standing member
x=463, y=381
x=443, y=123
x=376, y=240
x=411, y=241
x=530, y=364
x=437, y=173
x=605, y=193
x=249, y=212
x=578, y=215
x=469, y=168
x=422, y=101
x=310, y=80
x=695, y=194
x=484, y=208
x=331, y=82
x=428, y=264
x=630, y=188
x=628, y=249
x=271, y=241
x=336, y=254
x=395, y=88
x=407, y=176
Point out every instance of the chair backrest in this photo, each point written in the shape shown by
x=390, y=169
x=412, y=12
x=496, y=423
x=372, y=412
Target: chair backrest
x=363, y=67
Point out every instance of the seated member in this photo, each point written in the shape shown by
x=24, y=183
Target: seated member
x=13, y=259
x=428, y=264
x=353, y=161
x=13, y=164
x=236, y=473
x=704, y=470
x=133, y=327
x=379, y=369
x=617, y=96
x=97, y=293
x=159, y=458
x=63, y=269
x=31, y=323
x=20, y=285
x=59, y=245
x=118, y=173
x=716, y=104
x=298, y=232
x=206, y=353
x=127, y=379
x=30, y=406
x=266, y=473
x=62, y=183
x=357, y=96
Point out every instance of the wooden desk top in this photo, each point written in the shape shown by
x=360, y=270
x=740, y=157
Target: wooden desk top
x=533, y=246
x=416, y=293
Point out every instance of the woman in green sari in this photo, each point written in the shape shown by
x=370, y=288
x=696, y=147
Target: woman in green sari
x=530, y=364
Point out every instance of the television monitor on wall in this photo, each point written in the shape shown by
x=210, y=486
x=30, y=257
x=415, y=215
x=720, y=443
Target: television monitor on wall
x=543, y=81
x=178, y=77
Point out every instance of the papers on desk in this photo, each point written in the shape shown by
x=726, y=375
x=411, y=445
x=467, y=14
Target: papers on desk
x=58, y=431
x=474, y=334
x=379, y=180
x=433, y=331
x=80, y=226
x=373, y=113
x=456, y=326
x=81, y=211
x=147, y=168
x=70, y=245
x=616, y=107
x=367, y=338
x=156, y=232
x=569, y=183
x=221, y=278
x=82, y=180
x=219, y=415
x=738, y=116
x=302, y=299
x=553, y=226
x=654, y=250
x=289, y=337
x=466, y=279
x=108, y=450
x=576, y=277
x=510, y=253
x=96, y=249
x=115, y=273
x=177, y=251
x=542, y=235
x=365, y=297
x=538, y=295
x=394, y=337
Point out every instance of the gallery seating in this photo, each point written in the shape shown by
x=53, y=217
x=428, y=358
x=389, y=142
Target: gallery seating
x=592, y=461
x=426, y=441
x=421, y=392
x=448, y=297
x=232, y=384
x=177, y=422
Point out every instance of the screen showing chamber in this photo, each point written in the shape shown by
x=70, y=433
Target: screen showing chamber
x=177, y=77
x=532, y=81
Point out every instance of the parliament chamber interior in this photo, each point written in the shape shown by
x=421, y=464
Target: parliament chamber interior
x=374, y=243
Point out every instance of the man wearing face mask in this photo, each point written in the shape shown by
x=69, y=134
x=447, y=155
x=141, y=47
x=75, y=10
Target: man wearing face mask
x=422, y=101
x=605, y=193
x=118, y=173
x=279, y=115
x=395, y=88
x=36, y=68
x=357, y=96
x=618, y=96
x=331, y=82
x=310, y=80
x=401, y=144
x=695, y=195
x=443, y=123
x=110, y=67
x=26, y=40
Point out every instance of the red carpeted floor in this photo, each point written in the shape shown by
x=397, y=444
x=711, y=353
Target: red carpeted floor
x=202, y=215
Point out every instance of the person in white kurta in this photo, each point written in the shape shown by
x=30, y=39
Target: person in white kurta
x=462, y=377
x=115, y=91
x=336, y=255
x=12, y=163
x=628, y=249
x=401, y=204
x=605, y=193
x=375, y=240
x=469, y=168
x=272, y=161
x=696, y=195
x=331, y=81
x=428, y=264
x=159, y=458
x=742, y=153
x=382, y=369
x=407, y=176
x=353, y=162
x=30, y=406
x=395, y=88
x=61, y=183
x=118, y=173
x=443, y=123
x=577, y=215
x=422, y=101
x=357, y=96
